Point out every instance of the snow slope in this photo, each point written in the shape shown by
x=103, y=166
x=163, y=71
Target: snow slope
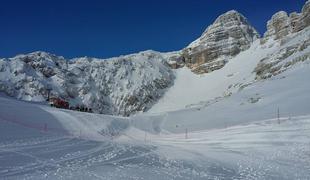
x=256, y=150
x=232, y=136
x=247, y=120
x=288, y=92
x=225, y=55
x=190, y=89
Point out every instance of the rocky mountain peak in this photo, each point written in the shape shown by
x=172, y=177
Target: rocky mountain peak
x=278, y=26
x=40, y=55
x=231, y=16
x=46, y=63
x=306, y=14
x=230, y=34
x=225, y=26
x=281, y=24
x=132, y=83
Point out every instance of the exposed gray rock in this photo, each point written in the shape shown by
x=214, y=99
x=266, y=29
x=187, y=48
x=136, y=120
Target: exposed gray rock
x=283, y=27
x=280, y=24
x=295, y=23
x=230, y=34
x=127, y=84
x=283, y=59
x=305, y=14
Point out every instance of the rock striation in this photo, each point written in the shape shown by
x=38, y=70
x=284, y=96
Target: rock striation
x=283, y=28
x=281, y=24
x=230, y=34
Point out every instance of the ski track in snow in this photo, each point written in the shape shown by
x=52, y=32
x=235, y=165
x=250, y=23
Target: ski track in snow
x=228, y=137
x=257, y=150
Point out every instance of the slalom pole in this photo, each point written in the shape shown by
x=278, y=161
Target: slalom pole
x=186, y=136
x=145, y=136
x=278, y=115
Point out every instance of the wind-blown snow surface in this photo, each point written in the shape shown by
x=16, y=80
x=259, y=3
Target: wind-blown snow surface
x=40, y=142
x=236, y=136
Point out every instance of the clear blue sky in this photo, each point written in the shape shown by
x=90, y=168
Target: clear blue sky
x=107, y=28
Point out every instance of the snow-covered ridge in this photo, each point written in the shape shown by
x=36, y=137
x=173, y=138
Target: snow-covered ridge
x=250, y=119
x=249, y=68
x=120, y=85
x=263, y=60
x=229, y=52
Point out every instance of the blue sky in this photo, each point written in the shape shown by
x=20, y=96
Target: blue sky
x=104, y=29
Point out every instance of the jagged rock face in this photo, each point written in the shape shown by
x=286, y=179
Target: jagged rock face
x=127, y=84
x=305, y=17
x=283, y=28
x=118, y=86
x=225, y=38
x=295, y=22
x=285, y=57
x=174, y=59
x=278, y=26
x=281, y=24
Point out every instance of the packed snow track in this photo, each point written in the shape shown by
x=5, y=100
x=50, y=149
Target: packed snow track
x=266, y=149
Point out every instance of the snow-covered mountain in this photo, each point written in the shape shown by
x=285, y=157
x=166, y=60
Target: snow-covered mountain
x=121, y=85
x=227, y=58
x=265, y=60
x=248, y=119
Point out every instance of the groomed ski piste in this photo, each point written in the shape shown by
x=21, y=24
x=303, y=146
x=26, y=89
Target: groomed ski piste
x=193, y=132
x=39, y=142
